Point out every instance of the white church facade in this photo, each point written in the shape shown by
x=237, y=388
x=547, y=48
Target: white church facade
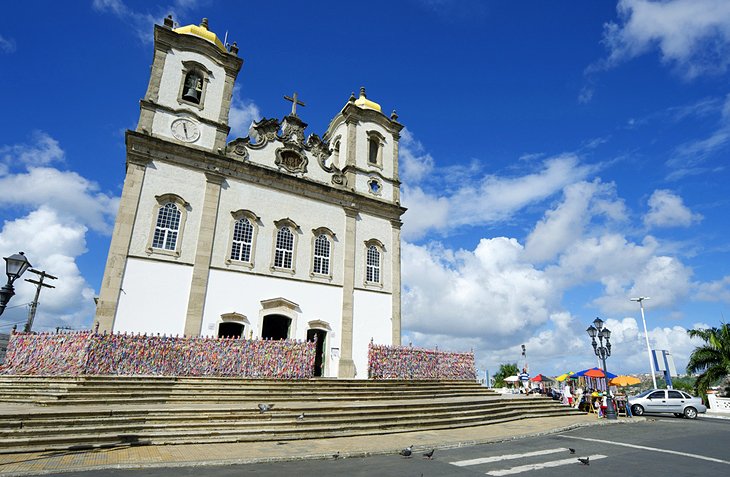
x=276, y=235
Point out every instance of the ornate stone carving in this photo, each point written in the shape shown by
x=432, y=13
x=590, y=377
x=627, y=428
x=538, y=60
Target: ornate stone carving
x=264, y=131
x=239, y=147
x=339, y=179
x=291, y=160
x=293, y=130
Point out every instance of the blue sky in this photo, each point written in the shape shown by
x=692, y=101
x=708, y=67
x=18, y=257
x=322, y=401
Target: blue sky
x=558, y=159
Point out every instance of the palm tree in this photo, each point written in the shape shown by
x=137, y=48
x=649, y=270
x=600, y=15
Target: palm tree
x=711, y=359
x=505, y=370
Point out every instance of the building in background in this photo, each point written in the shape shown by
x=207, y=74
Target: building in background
x=276, y=235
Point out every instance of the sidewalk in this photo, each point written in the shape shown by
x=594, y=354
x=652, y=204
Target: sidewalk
x=129, y=457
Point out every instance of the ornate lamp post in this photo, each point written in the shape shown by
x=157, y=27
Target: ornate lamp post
x=15, y=266
x=597, y=330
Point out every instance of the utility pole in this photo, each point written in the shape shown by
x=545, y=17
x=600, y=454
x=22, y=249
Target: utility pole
x=39, y=285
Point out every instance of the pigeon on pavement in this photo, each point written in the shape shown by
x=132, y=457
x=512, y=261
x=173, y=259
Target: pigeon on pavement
x=407, y=452
x=336, y=455
x=429, y=455
x=300, y=417
x=584, y=461
x=265, y=407
x=572, y=451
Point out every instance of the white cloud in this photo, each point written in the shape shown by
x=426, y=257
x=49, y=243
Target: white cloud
x=52, y=245
x=667, y=209
x=7, y=45
x=492, y=290
x=143, y=22
x=243, y=113
x=414, y=163
x=489, y=200
x=693, y=36
x=70, y=195
x=716, y=291
x=42, y=151
x=566, y=223
x=60, y=208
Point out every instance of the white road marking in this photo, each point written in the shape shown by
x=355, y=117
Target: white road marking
x=486, y=460
x=655, y=449
x=544, y=465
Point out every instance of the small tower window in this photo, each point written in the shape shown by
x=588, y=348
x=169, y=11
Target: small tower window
x=376, y=141
x=373, y=151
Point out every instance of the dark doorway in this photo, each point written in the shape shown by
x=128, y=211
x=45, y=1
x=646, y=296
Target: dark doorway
x=276, y=327
x=319, y=354
x=230, y=330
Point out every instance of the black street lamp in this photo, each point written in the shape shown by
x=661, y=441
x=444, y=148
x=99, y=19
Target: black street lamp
x=597, y=330
x=15, y=266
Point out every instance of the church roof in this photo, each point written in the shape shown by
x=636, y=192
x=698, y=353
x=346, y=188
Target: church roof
x=364, y=103
x=202, y=32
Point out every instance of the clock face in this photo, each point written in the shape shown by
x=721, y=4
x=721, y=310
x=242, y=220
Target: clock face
x=185, y=130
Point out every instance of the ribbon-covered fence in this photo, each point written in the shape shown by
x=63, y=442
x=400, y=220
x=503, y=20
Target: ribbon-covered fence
x=88, y=353
x=407, y=362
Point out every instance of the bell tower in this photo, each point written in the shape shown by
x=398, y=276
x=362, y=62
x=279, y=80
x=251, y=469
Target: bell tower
x=189, y=94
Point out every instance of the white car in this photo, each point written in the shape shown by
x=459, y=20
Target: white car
x=666, y=400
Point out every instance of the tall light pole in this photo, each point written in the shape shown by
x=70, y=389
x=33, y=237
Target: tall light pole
x=603, y=351
x=646, y=336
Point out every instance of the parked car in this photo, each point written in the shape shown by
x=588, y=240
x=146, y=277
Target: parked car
x=677, y=402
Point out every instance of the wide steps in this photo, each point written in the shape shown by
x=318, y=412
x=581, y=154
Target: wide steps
x=86, y=412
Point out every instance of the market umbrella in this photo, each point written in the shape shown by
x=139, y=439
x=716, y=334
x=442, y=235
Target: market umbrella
x=595, y=373
x=564, y=376
x=541, y=378
x=624, y=381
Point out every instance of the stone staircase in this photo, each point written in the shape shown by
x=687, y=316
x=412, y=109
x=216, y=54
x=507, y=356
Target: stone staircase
x=62, y=413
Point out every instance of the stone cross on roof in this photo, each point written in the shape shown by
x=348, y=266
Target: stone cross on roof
x=294, y=102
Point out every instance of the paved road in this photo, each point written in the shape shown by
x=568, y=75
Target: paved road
x=659, y=447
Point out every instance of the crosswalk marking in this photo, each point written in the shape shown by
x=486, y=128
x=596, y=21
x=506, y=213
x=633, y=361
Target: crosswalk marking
x=655, y=449
x=486, y=460
x=543, y=465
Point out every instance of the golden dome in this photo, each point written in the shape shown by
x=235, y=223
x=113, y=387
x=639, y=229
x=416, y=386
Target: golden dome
x=202, y=32
x=364, y=103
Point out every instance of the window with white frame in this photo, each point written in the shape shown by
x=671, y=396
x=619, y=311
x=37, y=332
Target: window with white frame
x=284, y=252
x=322, y=255
x=242, y=242
x=372, y=273
x=167, y=227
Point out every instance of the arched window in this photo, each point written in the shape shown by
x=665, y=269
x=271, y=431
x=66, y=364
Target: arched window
x=283, y=257
x=372, y=274
x=167, y=227
x=376, y=142
x=321, y=255
x=242, y=242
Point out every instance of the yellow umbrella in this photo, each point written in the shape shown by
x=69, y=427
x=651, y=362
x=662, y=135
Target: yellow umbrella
x=624, y=381
x=565, y=376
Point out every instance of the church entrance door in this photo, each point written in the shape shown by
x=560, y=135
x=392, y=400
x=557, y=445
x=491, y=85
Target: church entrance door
x=276, y=327
x=230, y=330
x=319, y=353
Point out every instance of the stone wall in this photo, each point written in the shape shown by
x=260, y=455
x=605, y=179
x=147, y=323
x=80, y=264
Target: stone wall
x=407, y=362
x=88, y=353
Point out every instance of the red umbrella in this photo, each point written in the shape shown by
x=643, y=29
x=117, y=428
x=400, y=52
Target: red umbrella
x=541, y=379
x=594, y=373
